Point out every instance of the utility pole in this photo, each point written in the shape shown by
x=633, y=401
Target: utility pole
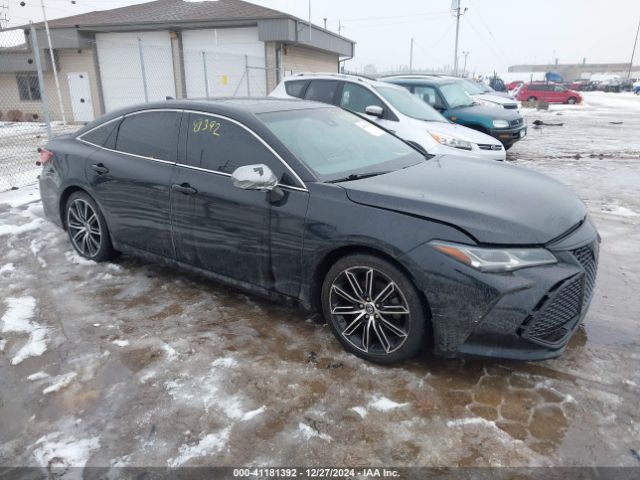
x=458, y=12
x=325, y=22
x=634, y=51
x=411, y=57
x=53, y=63
x=309, y=21
x=464, y=69
x=339, y=27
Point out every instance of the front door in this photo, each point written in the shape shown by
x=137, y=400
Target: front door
x=233, y=232
x=80, y=91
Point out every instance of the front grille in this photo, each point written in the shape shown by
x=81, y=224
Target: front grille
x=489, y=146
x=549, y=324
x=586, y=257
x=516, y=123
x=553, y=319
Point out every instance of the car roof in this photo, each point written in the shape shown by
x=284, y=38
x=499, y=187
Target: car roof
x=337, y=76
x=421, y=80
x=239, y=108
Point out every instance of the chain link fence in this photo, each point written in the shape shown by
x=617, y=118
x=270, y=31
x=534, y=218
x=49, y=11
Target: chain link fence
x=44, y=95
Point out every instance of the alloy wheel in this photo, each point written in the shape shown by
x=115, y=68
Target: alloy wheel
x=84, y=228
x=370, y=310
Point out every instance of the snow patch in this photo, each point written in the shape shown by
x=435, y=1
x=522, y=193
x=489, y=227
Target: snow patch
x=210, y=444
x=73, y=257
x=461, y=422
x=17, y=318
x=60, y=382
x=20, y=197
x=58, y=451
x=618, y=211
x=383, y=404
x=3, y=343
x=360, y=411
x=7, y=268
x=226, y=362
x=171, y=352
x=18, y=229
x=121, y=343
x=308, y=433
x=38, y=376
x=253, y=413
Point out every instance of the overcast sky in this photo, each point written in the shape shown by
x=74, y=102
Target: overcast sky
x=496, y=33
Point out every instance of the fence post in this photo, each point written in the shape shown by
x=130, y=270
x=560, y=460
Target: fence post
x=43, y=91
x=206, y=79
x=144, y=76
x=246, y=73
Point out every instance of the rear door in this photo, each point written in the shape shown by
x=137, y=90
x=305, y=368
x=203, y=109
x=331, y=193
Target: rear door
x=233, y=232
x=324, y=91
x=131, y=179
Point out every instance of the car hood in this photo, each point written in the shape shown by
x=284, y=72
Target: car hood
x=484, y=111
x=499, y=99
x=493, y=202
x=465, y=133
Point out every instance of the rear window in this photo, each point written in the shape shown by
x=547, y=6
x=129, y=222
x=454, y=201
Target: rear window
x=322, y=91
x=296, y=88
x=103, y=135
x=150, y=134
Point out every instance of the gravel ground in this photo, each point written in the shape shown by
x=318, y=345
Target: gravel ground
x=134, y=364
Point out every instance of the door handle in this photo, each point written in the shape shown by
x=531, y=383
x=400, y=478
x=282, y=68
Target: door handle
x=99, y=168
x=185, y=189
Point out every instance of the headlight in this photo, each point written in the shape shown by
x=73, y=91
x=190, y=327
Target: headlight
x=500, y=124
x=451, y=141
x=496, y=259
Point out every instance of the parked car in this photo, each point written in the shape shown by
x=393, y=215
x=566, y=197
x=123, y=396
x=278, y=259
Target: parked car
x=450, y=98
x=513, y=85
x=486, y=95
x=309, y=204
x=578, y=85
x=548, y=92
x=395, y=109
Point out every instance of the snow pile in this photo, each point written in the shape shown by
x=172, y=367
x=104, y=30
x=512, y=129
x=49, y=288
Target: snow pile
x=18, y=229
x=208, y=445
x=8, y=268
x=17, y=319
x=308, y=433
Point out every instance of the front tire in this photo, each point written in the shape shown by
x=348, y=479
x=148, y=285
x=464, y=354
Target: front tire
x=572, y=100
x=374, y=309
x=532, y=99
x=87, y=228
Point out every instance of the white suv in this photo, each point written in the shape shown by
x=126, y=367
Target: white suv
x=395, y=109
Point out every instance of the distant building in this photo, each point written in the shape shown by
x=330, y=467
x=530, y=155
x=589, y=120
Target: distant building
x=574, y=71
x=166, y=48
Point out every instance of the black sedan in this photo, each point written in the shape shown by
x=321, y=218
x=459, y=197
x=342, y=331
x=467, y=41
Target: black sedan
x=312, y=205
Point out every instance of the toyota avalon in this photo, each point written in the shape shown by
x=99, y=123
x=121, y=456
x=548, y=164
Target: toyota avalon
x=309, y=204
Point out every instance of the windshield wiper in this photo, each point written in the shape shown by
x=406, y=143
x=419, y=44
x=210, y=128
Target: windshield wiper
x=356, y=176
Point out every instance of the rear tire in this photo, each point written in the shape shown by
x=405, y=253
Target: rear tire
x=532, y=99
x=87, y=228
x=373, y=309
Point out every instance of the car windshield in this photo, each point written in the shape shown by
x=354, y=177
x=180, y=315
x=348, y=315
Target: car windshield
x=456, y=96
x=336, y=144
x=473, y=88
x=409, y=105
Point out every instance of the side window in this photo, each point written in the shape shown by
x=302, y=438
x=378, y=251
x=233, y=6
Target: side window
x=150, y=134
x=558, y=88
x=295, y=88
x=426, y=94
x=357, y=98
x=220, y=145
x=104, y=135
x=322, y=91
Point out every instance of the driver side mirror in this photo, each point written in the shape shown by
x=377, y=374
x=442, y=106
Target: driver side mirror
x=374, y=110
x=254, y=177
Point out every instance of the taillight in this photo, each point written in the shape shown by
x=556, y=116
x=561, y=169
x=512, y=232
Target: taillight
x=45, y=155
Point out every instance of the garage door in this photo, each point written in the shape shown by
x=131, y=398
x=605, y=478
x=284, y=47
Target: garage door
x=121, y=70
x=221, y=56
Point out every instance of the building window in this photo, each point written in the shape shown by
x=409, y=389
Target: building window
x=28, y=87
